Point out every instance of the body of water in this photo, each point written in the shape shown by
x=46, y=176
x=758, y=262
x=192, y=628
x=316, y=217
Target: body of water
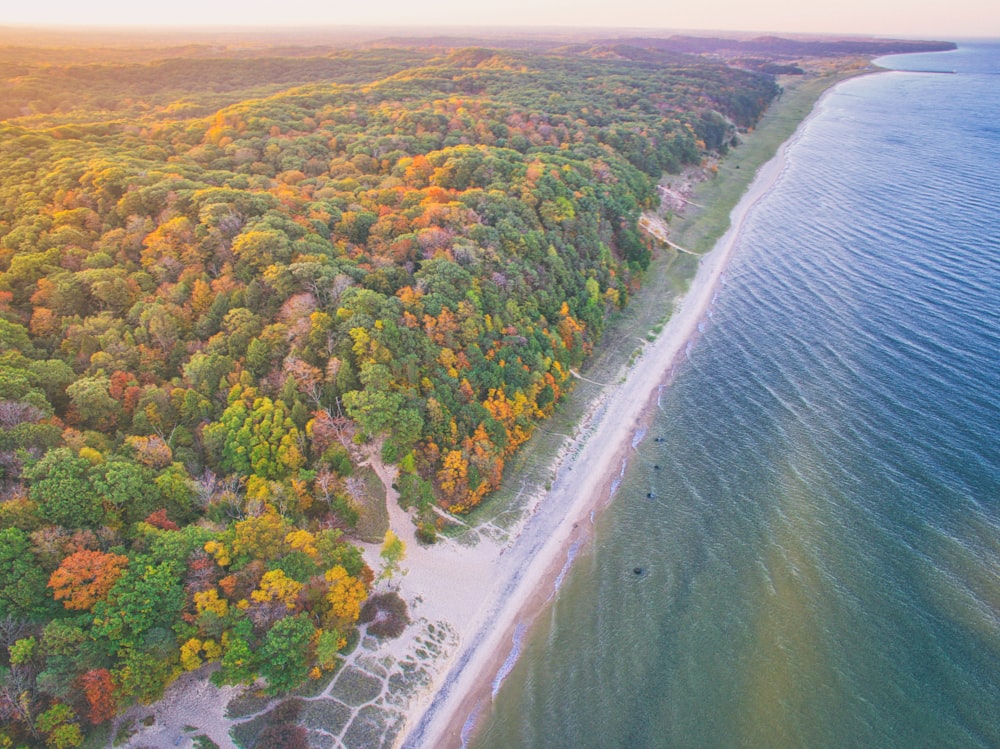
x=805, y=551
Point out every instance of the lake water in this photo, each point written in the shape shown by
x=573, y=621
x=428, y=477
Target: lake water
x=819, y=564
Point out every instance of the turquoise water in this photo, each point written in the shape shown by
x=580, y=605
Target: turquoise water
x=819, y=563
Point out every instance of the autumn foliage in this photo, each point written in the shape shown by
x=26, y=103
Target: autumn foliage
x=86, y=577
x=220, y=292
x=98, y=690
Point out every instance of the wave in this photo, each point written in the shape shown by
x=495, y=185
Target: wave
x=508, y=665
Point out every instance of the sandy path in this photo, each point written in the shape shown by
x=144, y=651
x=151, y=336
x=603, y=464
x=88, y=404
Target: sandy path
x=509, y=588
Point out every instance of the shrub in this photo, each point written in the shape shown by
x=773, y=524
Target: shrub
x=386, y=615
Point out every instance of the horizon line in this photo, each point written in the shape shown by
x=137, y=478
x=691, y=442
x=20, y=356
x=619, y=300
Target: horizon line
x=265, y=29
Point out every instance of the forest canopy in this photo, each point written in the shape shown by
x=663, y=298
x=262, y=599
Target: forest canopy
x=224, y=282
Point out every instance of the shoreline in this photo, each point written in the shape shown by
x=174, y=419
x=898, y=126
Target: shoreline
x=527, y=572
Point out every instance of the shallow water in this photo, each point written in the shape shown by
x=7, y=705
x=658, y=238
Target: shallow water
x=819, y=563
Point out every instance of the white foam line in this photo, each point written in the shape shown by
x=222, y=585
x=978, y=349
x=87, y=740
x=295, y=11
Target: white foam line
x=570, y=556
x=508, y=664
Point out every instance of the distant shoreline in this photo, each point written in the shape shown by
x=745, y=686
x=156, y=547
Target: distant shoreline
x=524, y=576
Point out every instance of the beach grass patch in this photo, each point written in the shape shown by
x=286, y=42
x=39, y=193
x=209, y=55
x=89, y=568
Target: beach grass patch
x=321, y=740
x=377, y=667
x=247, y=704
x=272, y=729
x=245, y=734
x=316, y=687
x=125, y=733
x=353, y=639
x=286, y=711
x=283, y=736
x=327, y=714
x=355, y=687
x=411, y=677
x=366, y=730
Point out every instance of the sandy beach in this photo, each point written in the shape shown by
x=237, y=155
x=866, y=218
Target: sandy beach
x=491, y=594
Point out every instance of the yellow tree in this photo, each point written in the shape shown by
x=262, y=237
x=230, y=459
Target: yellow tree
x=393, y=551
x=277, y=586
x=346, y=595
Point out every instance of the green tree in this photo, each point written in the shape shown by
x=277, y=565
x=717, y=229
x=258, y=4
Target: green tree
x=176, y=492
x=60, y=483
x=53, y=376
x=142, y=676
x=90, y=398
x=284, y=657
x=58, y=723
x=239, y=665
x=146, y=596
x=256, y=436
x=128, y=488
x=22, y=580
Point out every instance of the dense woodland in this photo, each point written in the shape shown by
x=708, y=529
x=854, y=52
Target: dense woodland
x=223, y=282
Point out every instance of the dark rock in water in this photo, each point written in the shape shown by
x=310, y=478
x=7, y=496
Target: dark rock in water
x=656, y=467
x=638, y=570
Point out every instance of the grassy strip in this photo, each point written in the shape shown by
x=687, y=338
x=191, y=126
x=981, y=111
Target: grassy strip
x=669, y=275
x=374, y=519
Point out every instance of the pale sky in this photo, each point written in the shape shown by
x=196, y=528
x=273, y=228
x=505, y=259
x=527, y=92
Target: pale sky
x=939, y=19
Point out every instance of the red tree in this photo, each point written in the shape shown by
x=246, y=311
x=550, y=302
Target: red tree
x=99, y=691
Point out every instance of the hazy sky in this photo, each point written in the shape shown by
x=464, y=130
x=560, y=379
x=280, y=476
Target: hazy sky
x=927, y=18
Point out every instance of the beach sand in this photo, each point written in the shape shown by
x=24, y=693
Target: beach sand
x=491, y=594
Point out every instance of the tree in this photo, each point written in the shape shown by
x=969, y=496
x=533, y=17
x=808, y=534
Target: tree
x=60, y=484
x=256, y=436
x=127, y=487
x=151, y=451
x=328, y=644
x=22, y=581
x=346, y=595
x=373, y=410
x=239, y=664
x=144, y=597
x=285, y=658
x=142, y=677
x=93, y=403
x=393, y=551
x=59, y=726
x=86, y=577
x=98, y=690
x=261, y=247
x=277, y=586
x=176, y=491
x=262, y=537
